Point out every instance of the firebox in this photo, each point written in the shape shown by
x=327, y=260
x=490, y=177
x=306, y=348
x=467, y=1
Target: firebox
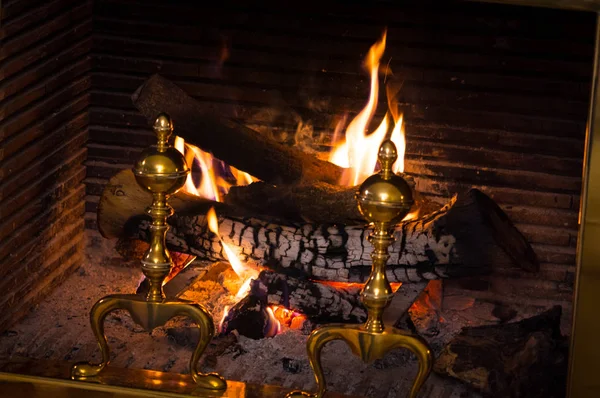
x=272, y=105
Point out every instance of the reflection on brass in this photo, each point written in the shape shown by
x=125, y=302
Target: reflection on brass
x=162, y=171
x=383, y=199
x=41, y=378
x=584, y=352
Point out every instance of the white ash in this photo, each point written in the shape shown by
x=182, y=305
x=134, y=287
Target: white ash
x=58, y=329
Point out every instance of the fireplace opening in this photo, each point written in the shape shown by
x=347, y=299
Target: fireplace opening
x=486, y=102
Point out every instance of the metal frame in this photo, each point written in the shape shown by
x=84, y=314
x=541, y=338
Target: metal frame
x=584, y=350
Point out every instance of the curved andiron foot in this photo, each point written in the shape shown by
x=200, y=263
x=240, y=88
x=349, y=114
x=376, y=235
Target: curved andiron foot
x=151, y=315
x=369, y=347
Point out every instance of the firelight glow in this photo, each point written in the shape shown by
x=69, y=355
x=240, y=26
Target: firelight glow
x=238, y=267
x=212, y=186
x=358, y=152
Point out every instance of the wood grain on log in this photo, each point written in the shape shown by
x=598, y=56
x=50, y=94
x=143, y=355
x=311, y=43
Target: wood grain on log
x=467, y=236
x=232, y=142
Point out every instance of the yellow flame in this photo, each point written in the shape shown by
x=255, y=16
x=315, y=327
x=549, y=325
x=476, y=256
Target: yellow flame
x=225, y=312
x=358, y=153
x=213, y=225
x=273, y=322
x=212, y=186
x=213, y=221
x=399, y=139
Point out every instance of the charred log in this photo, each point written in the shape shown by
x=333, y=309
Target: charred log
x=319, y=302
x=510, y=360
x=250, y=318
x=233, y=143
x=317, y=203
x=467, y=236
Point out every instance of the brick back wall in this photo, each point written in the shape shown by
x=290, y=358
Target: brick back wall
x=44, y=98
x=494, y=96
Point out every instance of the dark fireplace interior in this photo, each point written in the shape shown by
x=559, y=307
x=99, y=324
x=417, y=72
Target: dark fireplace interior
x=494, y=97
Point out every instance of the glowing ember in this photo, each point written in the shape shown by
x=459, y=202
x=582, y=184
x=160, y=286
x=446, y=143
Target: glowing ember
x=358, y=152
x=273, y=326
x=212, y=185
x=289, y=318
x=355, y=285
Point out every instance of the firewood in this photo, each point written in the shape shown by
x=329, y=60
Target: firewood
x=510, y=360
x=425, y=311
x=319, y=302
x=232, y=142
x=469, y=235
x=250, y=318
x=318, y=203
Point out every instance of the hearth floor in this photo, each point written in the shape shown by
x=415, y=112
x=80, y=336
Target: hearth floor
x=58, y=329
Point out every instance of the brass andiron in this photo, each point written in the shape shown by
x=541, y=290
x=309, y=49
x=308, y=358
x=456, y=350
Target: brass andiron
x=162, y=171
x=383, y=199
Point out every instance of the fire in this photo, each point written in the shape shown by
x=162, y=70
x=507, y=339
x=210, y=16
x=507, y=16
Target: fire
x=225, y=312
x=239, y=268
x=277, y=315
x=355, y=285
x=212, y=185
x=358, y=152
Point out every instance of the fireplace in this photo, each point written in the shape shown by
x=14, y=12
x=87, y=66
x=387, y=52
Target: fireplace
x=493, y=97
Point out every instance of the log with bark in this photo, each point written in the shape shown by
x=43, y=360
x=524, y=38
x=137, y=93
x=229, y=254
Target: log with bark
x=231, y=142
x=467, y=236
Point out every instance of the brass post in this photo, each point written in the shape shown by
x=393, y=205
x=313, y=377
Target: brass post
x=161, y=170
x=383, y=199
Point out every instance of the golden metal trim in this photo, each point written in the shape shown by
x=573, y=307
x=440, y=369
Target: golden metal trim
x=584, y=350
x=155, y=309
x=373, y=340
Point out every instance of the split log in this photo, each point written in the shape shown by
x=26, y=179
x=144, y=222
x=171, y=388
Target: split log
x=468, y=236
x=317, y=301
x=229, y=141
x=320, y=203
x=522, y=359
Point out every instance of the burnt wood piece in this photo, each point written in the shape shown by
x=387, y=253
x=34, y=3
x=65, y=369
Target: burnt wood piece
x=525, y=359
x=232, y=142
x=425, y=311
x=250, y=318
x=319, y=202
x=467, y=236
x=318, y=301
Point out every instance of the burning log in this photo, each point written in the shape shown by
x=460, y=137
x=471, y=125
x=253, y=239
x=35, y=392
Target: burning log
x=318, y=301
x=469, y=235
x=233, y=143
x=254, y=317
x=318, y=203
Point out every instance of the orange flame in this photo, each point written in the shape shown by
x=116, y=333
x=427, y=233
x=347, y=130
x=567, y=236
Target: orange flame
x=241, y=270
x=225, y=312
x=358, y=153
x=212, y=186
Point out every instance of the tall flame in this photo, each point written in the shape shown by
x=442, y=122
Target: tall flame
x=212, y=186
x=358, y=153
x=238, y=267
